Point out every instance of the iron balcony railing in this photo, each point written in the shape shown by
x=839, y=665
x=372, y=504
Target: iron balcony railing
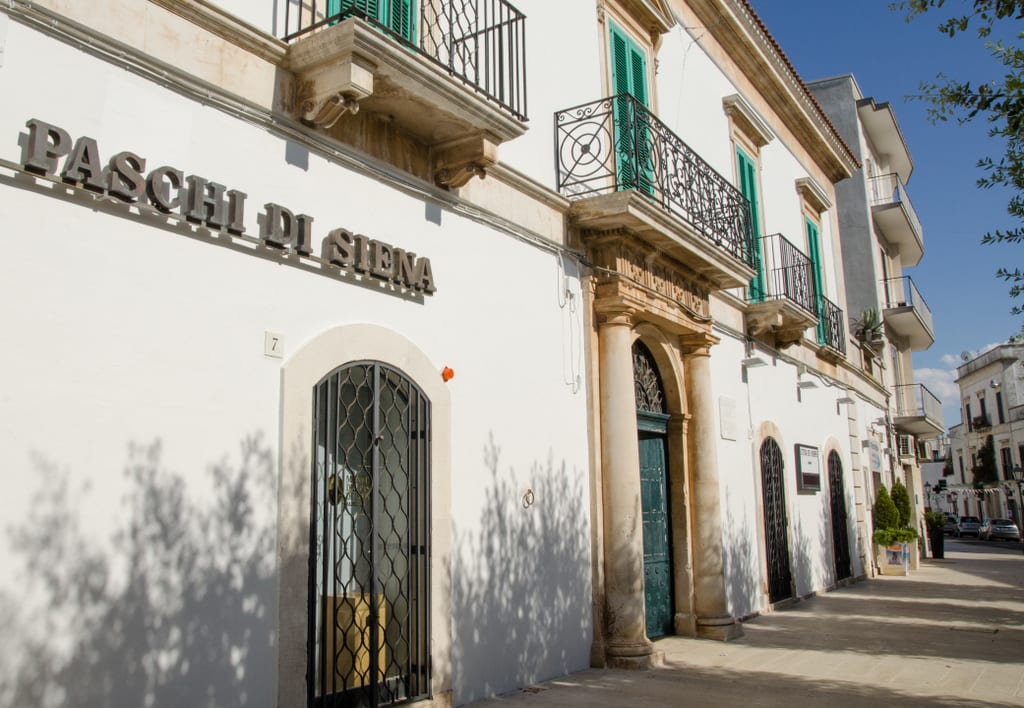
x=481, y=42
x=831, y=325
x=889, y=189
x=916, y=401
x=901, y=292
x=616, y=143
x=785, y=273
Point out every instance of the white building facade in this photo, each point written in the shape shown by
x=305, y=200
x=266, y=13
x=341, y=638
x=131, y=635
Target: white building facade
x=328, y=385
x=992, y=407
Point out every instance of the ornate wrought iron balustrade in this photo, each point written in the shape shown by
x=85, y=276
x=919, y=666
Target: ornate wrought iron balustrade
x=787, y=274
x=832, y=329
x=481, y=42
x=616, y=144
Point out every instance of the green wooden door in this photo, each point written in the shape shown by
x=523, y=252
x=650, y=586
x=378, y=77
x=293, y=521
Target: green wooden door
x=748, y=187
x=814, y=253
x=657, y=545
x=633, y=154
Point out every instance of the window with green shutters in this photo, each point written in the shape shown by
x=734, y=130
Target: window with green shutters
x=748, y=187
x=814, y=252
x=395, y=15
x=632, y=137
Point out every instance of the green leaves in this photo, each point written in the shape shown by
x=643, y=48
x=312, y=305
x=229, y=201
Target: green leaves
x=998, y=101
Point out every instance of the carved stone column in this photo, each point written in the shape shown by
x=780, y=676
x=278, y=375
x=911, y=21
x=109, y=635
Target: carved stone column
x=627, y=645
x=713, y=618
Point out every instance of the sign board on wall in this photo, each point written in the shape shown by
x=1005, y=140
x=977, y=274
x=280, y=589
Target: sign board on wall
x=874, y=456
x=727, y=417
x=808, y=469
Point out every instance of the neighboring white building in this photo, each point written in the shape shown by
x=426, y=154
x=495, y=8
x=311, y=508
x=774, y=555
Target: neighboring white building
x=882, y=236
x=992, y=405
x=347, y=366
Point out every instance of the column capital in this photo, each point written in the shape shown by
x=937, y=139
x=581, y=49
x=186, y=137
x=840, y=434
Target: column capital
x=698, y=343
x=615, y=314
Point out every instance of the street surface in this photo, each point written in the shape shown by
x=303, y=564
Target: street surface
x=949, y=634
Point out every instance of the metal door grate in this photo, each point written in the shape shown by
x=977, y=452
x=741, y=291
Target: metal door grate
x=369, y=623
x=840, y=535
x=776, y=540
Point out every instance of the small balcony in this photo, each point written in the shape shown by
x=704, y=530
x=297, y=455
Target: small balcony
x=831, y=329
x=782, y=299
x=918, y=411
x=895, y=216
x=980, y=423
x=625, y=170
x=907, y=314
x=451, y=75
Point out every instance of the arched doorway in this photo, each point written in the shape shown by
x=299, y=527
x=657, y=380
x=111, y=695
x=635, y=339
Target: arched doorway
x=369, y=573
x=780, y=579
x=652, y=426
x=837, y=499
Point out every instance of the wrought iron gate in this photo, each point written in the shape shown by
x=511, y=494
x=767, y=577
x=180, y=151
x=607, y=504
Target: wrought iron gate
x=840, y=535
x=369, y=620
x=652, y=423
x=775, y=534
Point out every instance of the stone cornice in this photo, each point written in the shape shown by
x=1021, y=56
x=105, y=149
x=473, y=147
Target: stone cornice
x=223, y=24
x=743, y=36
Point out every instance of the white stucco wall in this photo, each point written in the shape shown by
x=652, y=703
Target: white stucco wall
x=124, y=334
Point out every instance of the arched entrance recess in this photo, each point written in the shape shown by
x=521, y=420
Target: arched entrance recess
x=837, y=502
x=369, y=571
x=652, y=427
x=780, y=579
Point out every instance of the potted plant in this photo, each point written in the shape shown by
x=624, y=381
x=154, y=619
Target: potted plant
x=890, y=536
x=935, y=521
x=868, y=329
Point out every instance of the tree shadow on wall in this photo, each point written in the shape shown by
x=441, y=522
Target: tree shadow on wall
x=813, y=566
x=521, y=599
x=742, y=562
x=178, y=610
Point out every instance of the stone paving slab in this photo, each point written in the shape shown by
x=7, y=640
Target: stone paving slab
x=949, y=634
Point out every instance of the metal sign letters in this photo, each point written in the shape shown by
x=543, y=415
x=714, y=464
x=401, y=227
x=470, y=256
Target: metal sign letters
x=50, y=151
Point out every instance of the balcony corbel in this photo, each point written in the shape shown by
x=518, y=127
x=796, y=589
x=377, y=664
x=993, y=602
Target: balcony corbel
x=458, y=161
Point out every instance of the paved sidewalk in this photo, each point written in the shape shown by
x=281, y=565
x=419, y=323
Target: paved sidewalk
x=949, y=634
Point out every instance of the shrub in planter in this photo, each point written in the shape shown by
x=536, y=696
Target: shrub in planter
x=901, y=500
x=884, y=515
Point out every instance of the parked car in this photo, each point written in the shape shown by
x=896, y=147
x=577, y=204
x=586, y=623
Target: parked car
x=949, y=528
x=994, y=529
x=968, y=526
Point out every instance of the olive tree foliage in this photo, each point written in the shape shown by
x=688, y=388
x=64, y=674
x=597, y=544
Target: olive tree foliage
x=998, y=102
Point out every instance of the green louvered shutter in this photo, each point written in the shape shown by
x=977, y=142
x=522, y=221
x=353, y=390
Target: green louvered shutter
x=748, y=187
x=632, y=147
x=400, y=19
x=333, y=8
x=814, y=252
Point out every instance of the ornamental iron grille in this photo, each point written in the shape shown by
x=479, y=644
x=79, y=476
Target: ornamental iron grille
x=650, y=396
x=369, y=619
x=780, y=579
x=480, y=42
x=840, y=537
x=616, y=143
x=787, y=274
x=831, y=326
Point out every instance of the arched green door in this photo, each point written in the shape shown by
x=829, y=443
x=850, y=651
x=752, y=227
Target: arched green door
x=652, y=423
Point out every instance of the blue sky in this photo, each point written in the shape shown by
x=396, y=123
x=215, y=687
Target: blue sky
x=889, y=58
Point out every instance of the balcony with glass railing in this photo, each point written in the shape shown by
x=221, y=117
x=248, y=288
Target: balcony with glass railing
x=918, y=411
x=895, y=217
x=451, y=74
x=625, y=169
x=906, y=313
